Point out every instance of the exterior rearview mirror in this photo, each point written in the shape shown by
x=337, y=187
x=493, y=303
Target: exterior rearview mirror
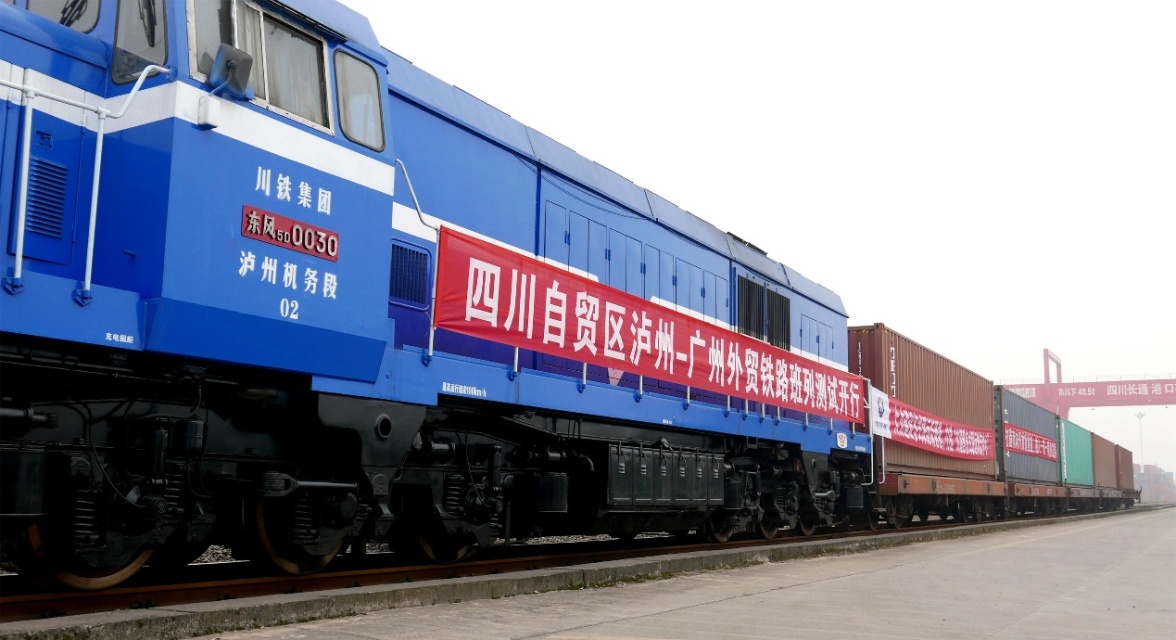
x=230, y=72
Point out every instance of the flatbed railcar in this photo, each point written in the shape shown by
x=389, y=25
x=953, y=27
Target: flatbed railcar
x=229, y=314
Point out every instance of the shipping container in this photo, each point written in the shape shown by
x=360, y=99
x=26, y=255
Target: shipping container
x=1077, y=459
x=1124, y=463
x=1028, y=436
x=924, y=379
x=1105, y=474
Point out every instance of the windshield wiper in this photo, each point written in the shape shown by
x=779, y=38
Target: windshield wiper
x=147, y=17
x=73, y=11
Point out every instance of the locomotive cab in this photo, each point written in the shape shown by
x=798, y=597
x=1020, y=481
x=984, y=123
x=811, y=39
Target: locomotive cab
x=303, y=164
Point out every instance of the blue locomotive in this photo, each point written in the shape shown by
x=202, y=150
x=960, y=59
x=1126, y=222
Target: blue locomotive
x=221, y=313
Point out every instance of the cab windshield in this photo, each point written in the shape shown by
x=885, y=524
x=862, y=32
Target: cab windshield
x=140, y=38
x=79, y=15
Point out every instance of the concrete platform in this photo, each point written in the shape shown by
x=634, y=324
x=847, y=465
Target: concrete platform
x=1097, y=576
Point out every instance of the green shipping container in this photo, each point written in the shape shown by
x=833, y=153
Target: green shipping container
x=1077, y=455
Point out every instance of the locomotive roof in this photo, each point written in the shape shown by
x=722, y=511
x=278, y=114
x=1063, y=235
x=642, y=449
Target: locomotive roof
x=337, y=17
x=417, y=85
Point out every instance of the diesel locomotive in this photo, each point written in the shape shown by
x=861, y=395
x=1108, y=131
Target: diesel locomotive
x=269, y=285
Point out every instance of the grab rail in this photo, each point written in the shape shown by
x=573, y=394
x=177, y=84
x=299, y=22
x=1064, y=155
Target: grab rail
x=428, y=357
x=13, y=284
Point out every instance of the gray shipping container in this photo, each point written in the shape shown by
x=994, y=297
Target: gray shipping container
x=1012, y=409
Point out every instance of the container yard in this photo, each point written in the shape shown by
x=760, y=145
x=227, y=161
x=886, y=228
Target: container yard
x=1155, y=484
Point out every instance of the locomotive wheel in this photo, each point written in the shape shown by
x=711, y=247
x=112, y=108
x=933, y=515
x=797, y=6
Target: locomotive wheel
x=768, y=528
x=444, y=549
x=867, y=520
x=899, y=522
x=291, y=558
x=806, y=524
x=93, y=579
x=27, y=555
x=718, y=533
x=924, y=514
x=438, y=544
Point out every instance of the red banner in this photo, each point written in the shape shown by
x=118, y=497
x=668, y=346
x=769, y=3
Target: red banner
x=1029, y=443
x=491, y=292
x=932, y=433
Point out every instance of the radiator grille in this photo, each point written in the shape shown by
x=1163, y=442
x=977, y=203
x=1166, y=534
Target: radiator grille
x=410, y=276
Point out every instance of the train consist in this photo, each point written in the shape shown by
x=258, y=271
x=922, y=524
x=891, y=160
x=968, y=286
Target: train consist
x=272, y=286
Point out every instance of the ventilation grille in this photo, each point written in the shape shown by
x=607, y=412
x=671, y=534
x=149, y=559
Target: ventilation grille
x=410, y=276
x=46, y=203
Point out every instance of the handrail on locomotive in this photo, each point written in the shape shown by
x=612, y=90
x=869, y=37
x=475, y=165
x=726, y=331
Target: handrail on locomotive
x=14, y=284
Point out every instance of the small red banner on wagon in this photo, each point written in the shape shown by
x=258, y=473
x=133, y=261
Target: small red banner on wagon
x=491, y=292
x=1029, y=443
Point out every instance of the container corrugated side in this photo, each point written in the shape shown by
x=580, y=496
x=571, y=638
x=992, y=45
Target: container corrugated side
x=903, y=458
x=920, y=377
x=1105, y=473
x=1077, y=457
x=1124, y=464
x=1014, y=410
x=924, y=379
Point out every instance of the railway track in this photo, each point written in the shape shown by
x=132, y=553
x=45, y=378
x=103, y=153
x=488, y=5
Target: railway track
x=21, y=600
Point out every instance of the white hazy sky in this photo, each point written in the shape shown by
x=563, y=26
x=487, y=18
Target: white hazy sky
x=990, y=179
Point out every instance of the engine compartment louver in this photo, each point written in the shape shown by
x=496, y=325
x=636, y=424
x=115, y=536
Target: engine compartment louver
x=46, y=199
x=410, y=276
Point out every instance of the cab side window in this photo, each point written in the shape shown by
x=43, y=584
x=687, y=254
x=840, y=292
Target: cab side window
x=294, y=71
x=212, y=24
x=359, y=101
x=289, y=64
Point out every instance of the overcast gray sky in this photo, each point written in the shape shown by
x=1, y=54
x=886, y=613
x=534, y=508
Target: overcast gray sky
x=990, y=179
